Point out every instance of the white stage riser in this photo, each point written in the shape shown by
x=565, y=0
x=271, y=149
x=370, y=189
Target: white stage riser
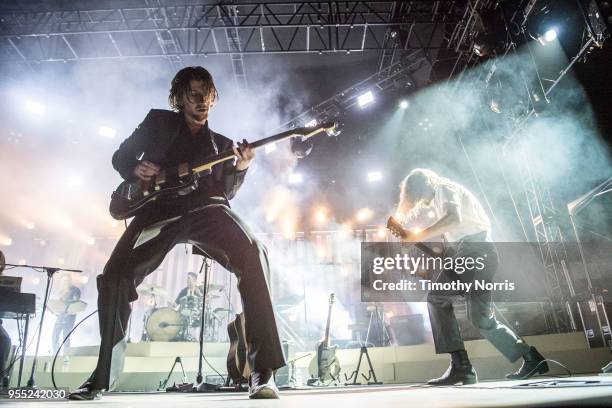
x=144, y=367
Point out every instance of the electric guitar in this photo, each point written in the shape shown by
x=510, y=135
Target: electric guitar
x=460, y=248
x=131, y=196
x=325, y=366
x=399, y=231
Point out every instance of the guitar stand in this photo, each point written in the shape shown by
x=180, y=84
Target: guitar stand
x=176, y=388
x=355, y=374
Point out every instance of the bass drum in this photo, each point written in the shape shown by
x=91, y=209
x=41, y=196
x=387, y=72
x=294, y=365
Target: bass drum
x=164, y=324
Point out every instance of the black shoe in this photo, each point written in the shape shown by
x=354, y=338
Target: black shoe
x=85, y=393
x=262, y=385
x=534, y=363
x=464, y=374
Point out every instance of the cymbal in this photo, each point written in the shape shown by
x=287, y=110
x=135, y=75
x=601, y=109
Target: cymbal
x=151, y=289
x=58, y=306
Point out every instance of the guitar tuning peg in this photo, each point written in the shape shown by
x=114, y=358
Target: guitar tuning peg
x=335, y=130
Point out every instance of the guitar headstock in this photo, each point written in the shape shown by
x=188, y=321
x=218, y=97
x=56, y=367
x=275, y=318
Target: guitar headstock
x=396, y=227
x=306, y=132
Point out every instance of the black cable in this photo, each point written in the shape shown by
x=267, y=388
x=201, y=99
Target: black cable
x=63, y=342
x=569, y=373
x=213, y=368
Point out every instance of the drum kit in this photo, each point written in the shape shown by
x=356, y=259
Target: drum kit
x=180, y=321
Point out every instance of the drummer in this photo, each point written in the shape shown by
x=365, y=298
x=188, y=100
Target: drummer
x=191, y=289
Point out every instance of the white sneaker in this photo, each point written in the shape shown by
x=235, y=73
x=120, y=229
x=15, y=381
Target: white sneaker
x=262, y=385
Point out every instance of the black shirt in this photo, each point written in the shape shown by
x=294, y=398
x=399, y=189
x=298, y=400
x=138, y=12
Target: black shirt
x=191, y=149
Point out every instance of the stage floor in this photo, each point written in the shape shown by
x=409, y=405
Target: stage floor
x=570, y=392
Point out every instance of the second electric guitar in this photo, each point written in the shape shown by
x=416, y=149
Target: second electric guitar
x=325, y=366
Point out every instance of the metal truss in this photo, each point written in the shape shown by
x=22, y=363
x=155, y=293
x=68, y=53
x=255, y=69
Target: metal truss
x=396, y=75
x=166, y=29
x=543, y=211
x=551, y=244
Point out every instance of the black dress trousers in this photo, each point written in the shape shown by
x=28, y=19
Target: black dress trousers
x=221, y=234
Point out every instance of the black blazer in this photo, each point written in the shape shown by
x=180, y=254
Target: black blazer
x=155, y=135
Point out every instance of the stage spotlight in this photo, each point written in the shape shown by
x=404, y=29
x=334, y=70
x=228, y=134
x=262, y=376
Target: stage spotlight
x=270, y=148
x=365, y=99
x=416, y=230
x=30, y=225
x=6, y=241
x=35, y=108
x=431, y=214
x=382, y=232
x=84, y=279
x=494, y=106
x=374, y=176
x=311, y=123
x=403, y=104
x=295, y=178
x=321, y=215
x=547, y=37
x=550, y=35
x=107, y=132
x=364, y=214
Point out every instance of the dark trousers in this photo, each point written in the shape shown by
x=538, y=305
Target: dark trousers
x=222, y=235
x=63, y=325
x=444, y=325
x=446, y=333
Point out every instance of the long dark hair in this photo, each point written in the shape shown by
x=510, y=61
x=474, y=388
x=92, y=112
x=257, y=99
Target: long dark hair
x=180, y=85
x=414, y=189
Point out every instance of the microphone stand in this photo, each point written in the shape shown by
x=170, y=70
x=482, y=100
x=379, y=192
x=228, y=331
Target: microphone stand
x=203, y=386
x=49, y=271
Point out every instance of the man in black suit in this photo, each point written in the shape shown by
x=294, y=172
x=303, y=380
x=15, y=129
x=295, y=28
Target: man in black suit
x=203, y=218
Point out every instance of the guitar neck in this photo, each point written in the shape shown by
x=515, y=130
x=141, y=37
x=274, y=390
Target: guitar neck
x=229, y=154
x=326, y=339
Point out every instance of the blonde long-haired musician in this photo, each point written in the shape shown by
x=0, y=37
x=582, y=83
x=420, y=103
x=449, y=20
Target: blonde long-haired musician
x=459, y=217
